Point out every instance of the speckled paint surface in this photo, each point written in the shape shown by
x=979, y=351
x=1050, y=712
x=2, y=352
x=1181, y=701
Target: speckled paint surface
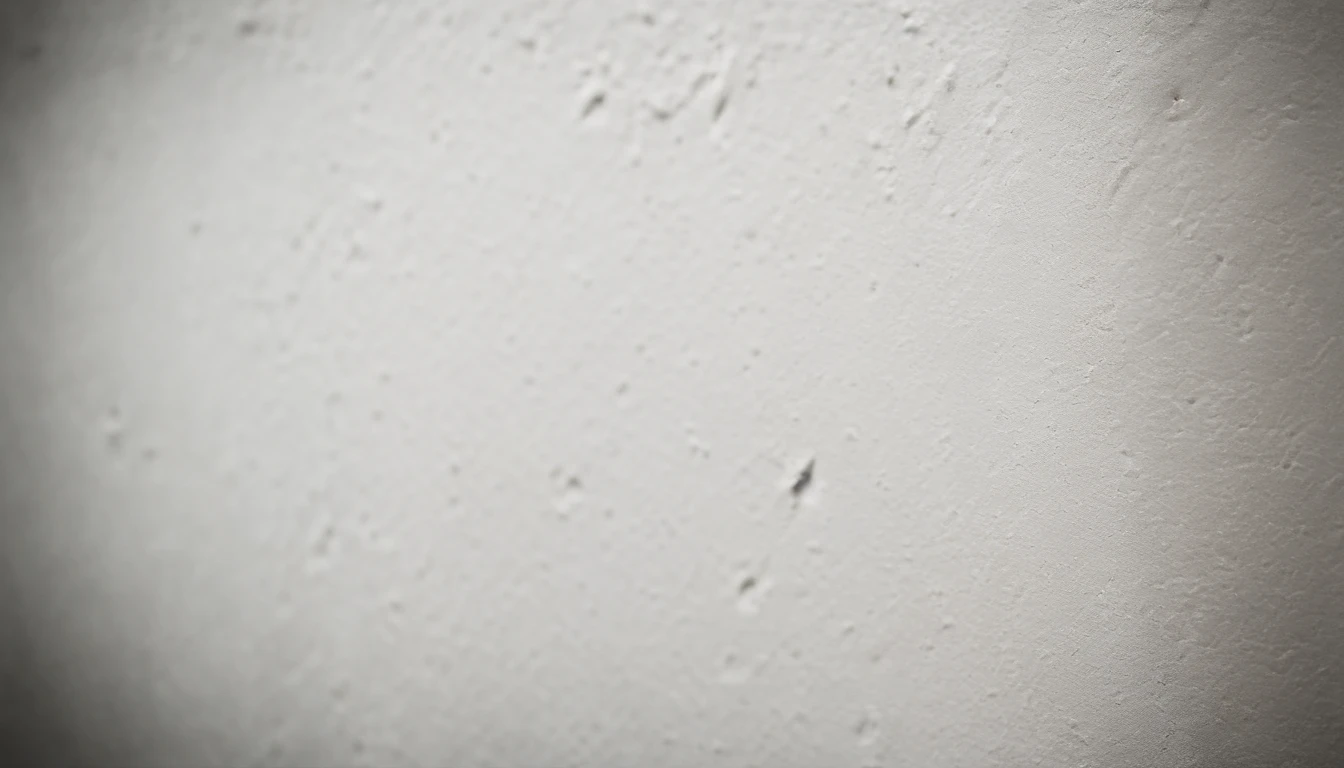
x=674, y=383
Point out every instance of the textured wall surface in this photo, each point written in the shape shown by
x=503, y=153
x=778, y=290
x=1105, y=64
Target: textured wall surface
x=503, y=383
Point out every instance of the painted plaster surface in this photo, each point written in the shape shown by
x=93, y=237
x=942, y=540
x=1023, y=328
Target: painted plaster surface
x=503, y=383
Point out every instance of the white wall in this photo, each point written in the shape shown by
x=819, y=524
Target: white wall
x=413, y=383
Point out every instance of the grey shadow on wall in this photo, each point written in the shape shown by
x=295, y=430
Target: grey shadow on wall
x=1261, y=631
x=37, y=726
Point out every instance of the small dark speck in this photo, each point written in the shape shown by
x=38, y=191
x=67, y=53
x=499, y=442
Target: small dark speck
x=804, y=479
x=248, y=27
x=720, y=105
x=748, y=584
x=593, y=104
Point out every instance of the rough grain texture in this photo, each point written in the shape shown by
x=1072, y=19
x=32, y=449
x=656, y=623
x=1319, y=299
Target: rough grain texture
x=503, y=383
